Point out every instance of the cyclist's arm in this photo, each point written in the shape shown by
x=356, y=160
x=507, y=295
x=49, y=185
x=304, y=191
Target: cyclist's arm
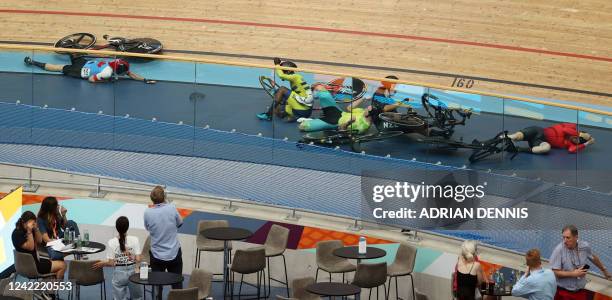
x=288, y=77
x=344, y=126
x=355, y=104
x=390, y=107
x=139, y=78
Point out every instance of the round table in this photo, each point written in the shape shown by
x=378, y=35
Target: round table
x=352, y=252
x=333, y=289
x=78, y=254
x=226, y=234
x=156, y=279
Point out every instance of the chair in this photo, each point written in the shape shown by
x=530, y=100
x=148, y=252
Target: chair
x=25, y=266
x=369, y=276
x=328, y=262
x=183, y=294
x=403, y=265
x=81, y=272
x=208, y=245
x=201, y=280
x=299, y=289
x=249, y=261
x=6, y=291
x=275, y=245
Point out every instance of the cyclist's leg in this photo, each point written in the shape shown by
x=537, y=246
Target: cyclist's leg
x=280, y=100
x=542, y=148
x=294, y=110
x=47, y=67
x=316, y=125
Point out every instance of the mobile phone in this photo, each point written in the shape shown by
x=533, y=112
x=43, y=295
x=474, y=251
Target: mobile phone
x=586, y=267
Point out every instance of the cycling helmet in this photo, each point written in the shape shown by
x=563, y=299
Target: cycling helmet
x=120, y=66
x=389, y=85
x=289, y=64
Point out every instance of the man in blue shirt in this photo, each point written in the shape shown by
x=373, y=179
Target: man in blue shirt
x=569, y=261
x=162, y=221
x=537, y=283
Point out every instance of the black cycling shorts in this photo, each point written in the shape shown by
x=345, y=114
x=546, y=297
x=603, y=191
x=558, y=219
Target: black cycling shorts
x=74, y=69
x=534, y=135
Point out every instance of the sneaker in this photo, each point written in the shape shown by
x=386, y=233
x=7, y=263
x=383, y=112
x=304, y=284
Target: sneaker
x=27, y=60
x=264, y=116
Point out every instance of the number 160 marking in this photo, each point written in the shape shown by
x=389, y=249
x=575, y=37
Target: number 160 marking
x=463, y=83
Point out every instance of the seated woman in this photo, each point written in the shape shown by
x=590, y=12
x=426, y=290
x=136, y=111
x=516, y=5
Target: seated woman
x=25, y=238
x=123, y=253
x=354, y=119
x=469, y=273
x=562, y=136
x=53, y=224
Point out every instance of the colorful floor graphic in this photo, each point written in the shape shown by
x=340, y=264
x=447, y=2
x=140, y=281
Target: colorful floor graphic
x=302, y=238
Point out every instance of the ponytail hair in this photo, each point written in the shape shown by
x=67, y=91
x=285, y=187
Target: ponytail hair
x=122, y=224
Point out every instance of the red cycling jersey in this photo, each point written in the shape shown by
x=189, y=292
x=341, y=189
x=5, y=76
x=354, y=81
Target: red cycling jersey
x=558, y=136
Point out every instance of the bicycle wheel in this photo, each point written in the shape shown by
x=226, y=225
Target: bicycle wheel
x=381, y=135
x=408, y=121
x=327, y=137
x=268, y=85
x=82, y=40
x=141, y=45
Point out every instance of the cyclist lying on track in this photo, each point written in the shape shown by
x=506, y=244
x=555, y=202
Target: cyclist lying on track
x=562, y=136
x=354, y=119
x=290, y=104
x=94, y=70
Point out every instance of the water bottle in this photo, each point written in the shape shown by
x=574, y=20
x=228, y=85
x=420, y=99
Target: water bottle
x=86, y=237
x=362, y=245
x=71, y=234
x=498, y=280
x=144, y=271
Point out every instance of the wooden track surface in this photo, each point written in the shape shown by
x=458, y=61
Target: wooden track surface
x=559, y=44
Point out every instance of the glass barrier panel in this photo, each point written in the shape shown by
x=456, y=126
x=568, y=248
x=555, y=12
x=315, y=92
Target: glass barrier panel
x=593, y=167
x=67, y=109
x=16, y=79
x=529, y=126
x=155, y=117
x=226, y=122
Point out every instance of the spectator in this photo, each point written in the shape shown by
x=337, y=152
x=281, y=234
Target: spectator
x=538, y=283
x=569, y=262
x=26, y=237
x=53, y=224
x=123, y=253
x=162, y=221
x=469, y=272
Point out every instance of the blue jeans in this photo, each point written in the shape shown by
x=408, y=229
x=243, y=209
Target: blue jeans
x=123, y=289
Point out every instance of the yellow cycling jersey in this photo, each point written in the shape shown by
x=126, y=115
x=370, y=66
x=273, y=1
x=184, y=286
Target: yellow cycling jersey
x=298, y=85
